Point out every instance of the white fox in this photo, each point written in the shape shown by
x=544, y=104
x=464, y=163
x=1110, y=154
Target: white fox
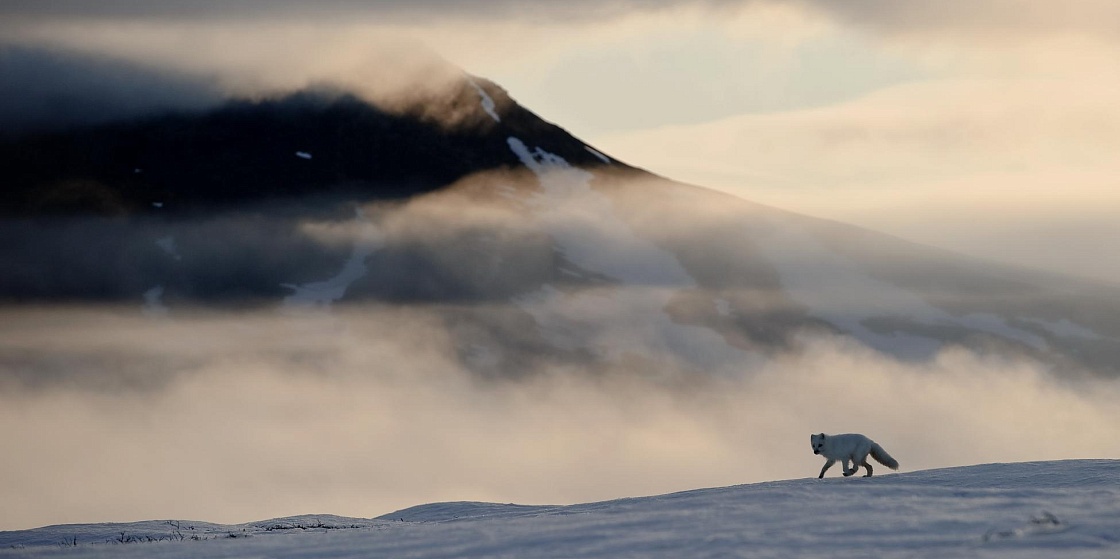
x=851, y=447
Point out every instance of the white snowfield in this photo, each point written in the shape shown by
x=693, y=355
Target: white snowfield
x=1023, y=510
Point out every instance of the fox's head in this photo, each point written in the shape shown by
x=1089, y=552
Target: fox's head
x=817, y=441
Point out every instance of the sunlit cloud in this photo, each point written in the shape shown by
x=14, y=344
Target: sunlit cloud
x=365, y=411
x=952, y=163
x=980, y=21
x=533, y=389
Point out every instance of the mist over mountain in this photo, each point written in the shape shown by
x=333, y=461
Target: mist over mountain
x=83, y=151
x=463, y=196
x=49, y=89
x=331, y=273
x=238, y=203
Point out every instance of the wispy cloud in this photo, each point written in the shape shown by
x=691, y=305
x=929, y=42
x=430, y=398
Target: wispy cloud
x=969, y=163
x=368, y=410
x=337, y=10
x=44, y=88
x=490, y=376
x=982, y=20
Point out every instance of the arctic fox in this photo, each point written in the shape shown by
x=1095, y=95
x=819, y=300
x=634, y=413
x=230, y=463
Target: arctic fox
x=851, y=447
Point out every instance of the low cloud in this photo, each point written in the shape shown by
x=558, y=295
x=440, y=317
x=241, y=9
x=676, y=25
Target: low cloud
x=368, y=409
x=55, y=82
x=983, y=20
x=991, y=168
x=341, y=10
x=475, y=362
x=992, y=19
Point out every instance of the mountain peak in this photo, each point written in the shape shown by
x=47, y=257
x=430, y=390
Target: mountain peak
x=321, y=141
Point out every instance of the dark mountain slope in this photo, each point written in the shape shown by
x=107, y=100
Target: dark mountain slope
x=532, y=245
x=309, y=143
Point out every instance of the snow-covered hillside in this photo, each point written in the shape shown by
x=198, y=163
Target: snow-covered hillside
x=1020, y=510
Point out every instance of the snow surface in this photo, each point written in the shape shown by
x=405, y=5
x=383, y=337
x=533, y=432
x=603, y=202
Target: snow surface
x=1024, y=510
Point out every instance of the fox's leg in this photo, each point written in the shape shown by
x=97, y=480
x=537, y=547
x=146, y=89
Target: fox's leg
x=860, y=459
x=848, y=472
x=827, y=465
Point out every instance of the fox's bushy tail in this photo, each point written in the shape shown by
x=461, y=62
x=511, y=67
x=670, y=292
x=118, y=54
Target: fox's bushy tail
x=882, y=457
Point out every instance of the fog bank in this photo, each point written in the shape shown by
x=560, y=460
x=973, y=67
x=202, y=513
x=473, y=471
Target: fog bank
x=363, y=411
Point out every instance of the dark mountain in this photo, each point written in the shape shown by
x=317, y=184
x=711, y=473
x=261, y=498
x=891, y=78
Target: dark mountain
x=309, y=143
x=528, y=245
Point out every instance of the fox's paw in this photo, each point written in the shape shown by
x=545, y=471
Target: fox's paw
x=846, y=474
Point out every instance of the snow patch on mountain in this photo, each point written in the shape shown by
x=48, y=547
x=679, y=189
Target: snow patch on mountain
x=488, y=104
x=598, y=154
x=323, y=293
x=153, y=298
x=993, y=324
x=168, y=246
x=1066, y=328
x=153, y=302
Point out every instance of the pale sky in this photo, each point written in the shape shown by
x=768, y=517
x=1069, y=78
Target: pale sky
x=988, y=127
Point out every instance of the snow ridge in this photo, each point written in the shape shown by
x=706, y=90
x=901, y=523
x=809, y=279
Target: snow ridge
x=1039, y=510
